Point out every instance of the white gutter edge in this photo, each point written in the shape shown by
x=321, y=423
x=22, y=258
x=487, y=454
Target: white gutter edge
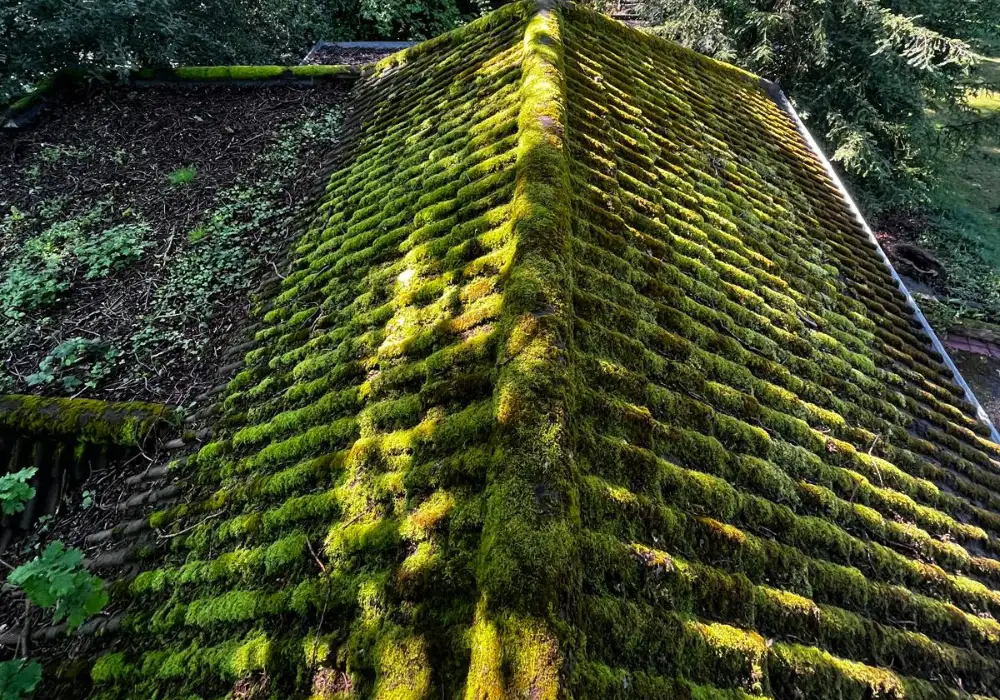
x=774, y=90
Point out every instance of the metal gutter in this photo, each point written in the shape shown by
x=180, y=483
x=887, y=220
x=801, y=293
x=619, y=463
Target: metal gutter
x=776, y=94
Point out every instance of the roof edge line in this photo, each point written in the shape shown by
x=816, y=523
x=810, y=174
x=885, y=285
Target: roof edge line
x=775, y=92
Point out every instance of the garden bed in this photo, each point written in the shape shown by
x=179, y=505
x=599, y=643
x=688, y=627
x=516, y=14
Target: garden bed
x=134, y=224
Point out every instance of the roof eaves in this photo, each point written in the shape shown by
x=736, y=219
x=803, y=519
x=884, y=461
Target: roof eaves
x=774, y=91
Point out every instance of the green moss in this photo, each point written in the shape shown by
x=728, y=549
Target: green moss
x=317, y=71
x=581, y=382
x=88, y=420
x=110, y=668
x=229, y=72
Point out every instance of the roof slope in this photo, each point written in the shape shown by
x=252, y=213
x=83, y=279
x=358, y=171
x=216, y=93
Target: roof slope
x=583, y=380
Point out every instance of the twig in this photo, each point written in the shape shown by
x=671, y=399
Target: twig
x=315, y=558
x=874, y=442
x=322, y=614
x=188, y=529
x=22, y=645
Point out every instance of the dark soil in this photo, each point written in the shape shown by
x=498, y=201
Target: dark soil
x=113, y=143
x=331, y=55
x=899, y=232
x=982, y=373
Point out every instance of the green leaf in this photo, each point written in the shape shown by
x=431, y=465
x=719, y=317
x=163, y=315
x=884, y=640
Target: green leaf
x=18, y=678
x=57, y=580
x=15, y=491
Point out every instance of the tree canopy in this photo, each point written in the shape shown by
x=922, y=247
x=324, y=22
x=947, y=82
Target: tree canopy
x=38, y=37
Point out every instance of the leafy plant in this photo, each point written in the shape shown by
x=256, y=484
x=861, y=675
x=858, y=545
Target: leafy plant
x=31, y=285
x=40, y=272
x=218, y=252
x=112, y=249
x=15, y=491
x=182, y=176
x=49, y=262
x=75, y=363
x=56, y=579
x=18, y=678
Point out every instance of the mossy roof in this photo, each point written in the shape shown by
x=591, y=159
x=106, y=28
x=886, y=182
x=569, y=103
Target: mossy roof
x=583, y=381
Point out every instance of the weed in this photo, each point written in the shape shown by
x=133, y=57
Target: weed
x=33, y=172
x=47, y=263
x=112, y=249
x=56, y=579
x=54, y=153
x=196, y=234
x=15, y=491
x=51, y=154
x=74, y=364
x=30, y=286
x=37, y=276
x=182, y=176
x=12, y=223
x=51, y=208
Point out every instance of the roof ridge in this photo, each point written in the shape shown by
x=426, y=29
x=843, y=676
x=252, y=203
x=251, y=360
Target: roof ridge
x=528, y=557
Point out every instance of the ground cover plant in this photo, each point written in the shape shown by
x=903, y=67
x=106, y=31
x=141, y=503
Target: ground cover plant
x=133, y=225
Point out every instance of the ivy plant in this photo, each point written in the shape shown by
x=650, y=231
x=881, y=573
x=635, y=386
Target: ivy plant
x=75, y=363
x=112, y=249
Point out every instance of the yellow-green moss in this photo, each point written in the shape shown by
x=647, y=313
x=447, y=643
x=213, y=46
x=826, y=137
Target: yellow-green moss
x=88, y=420
x=582, y=382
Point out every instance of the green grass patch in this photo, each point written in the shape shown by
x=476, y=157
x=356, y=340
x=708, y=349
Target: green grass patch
x=182, y=176
x=964, y=231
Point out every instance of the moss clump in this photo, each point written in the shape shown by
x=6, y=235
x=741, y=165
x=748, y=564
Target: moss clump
x=229, y=72
x=89, y=420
